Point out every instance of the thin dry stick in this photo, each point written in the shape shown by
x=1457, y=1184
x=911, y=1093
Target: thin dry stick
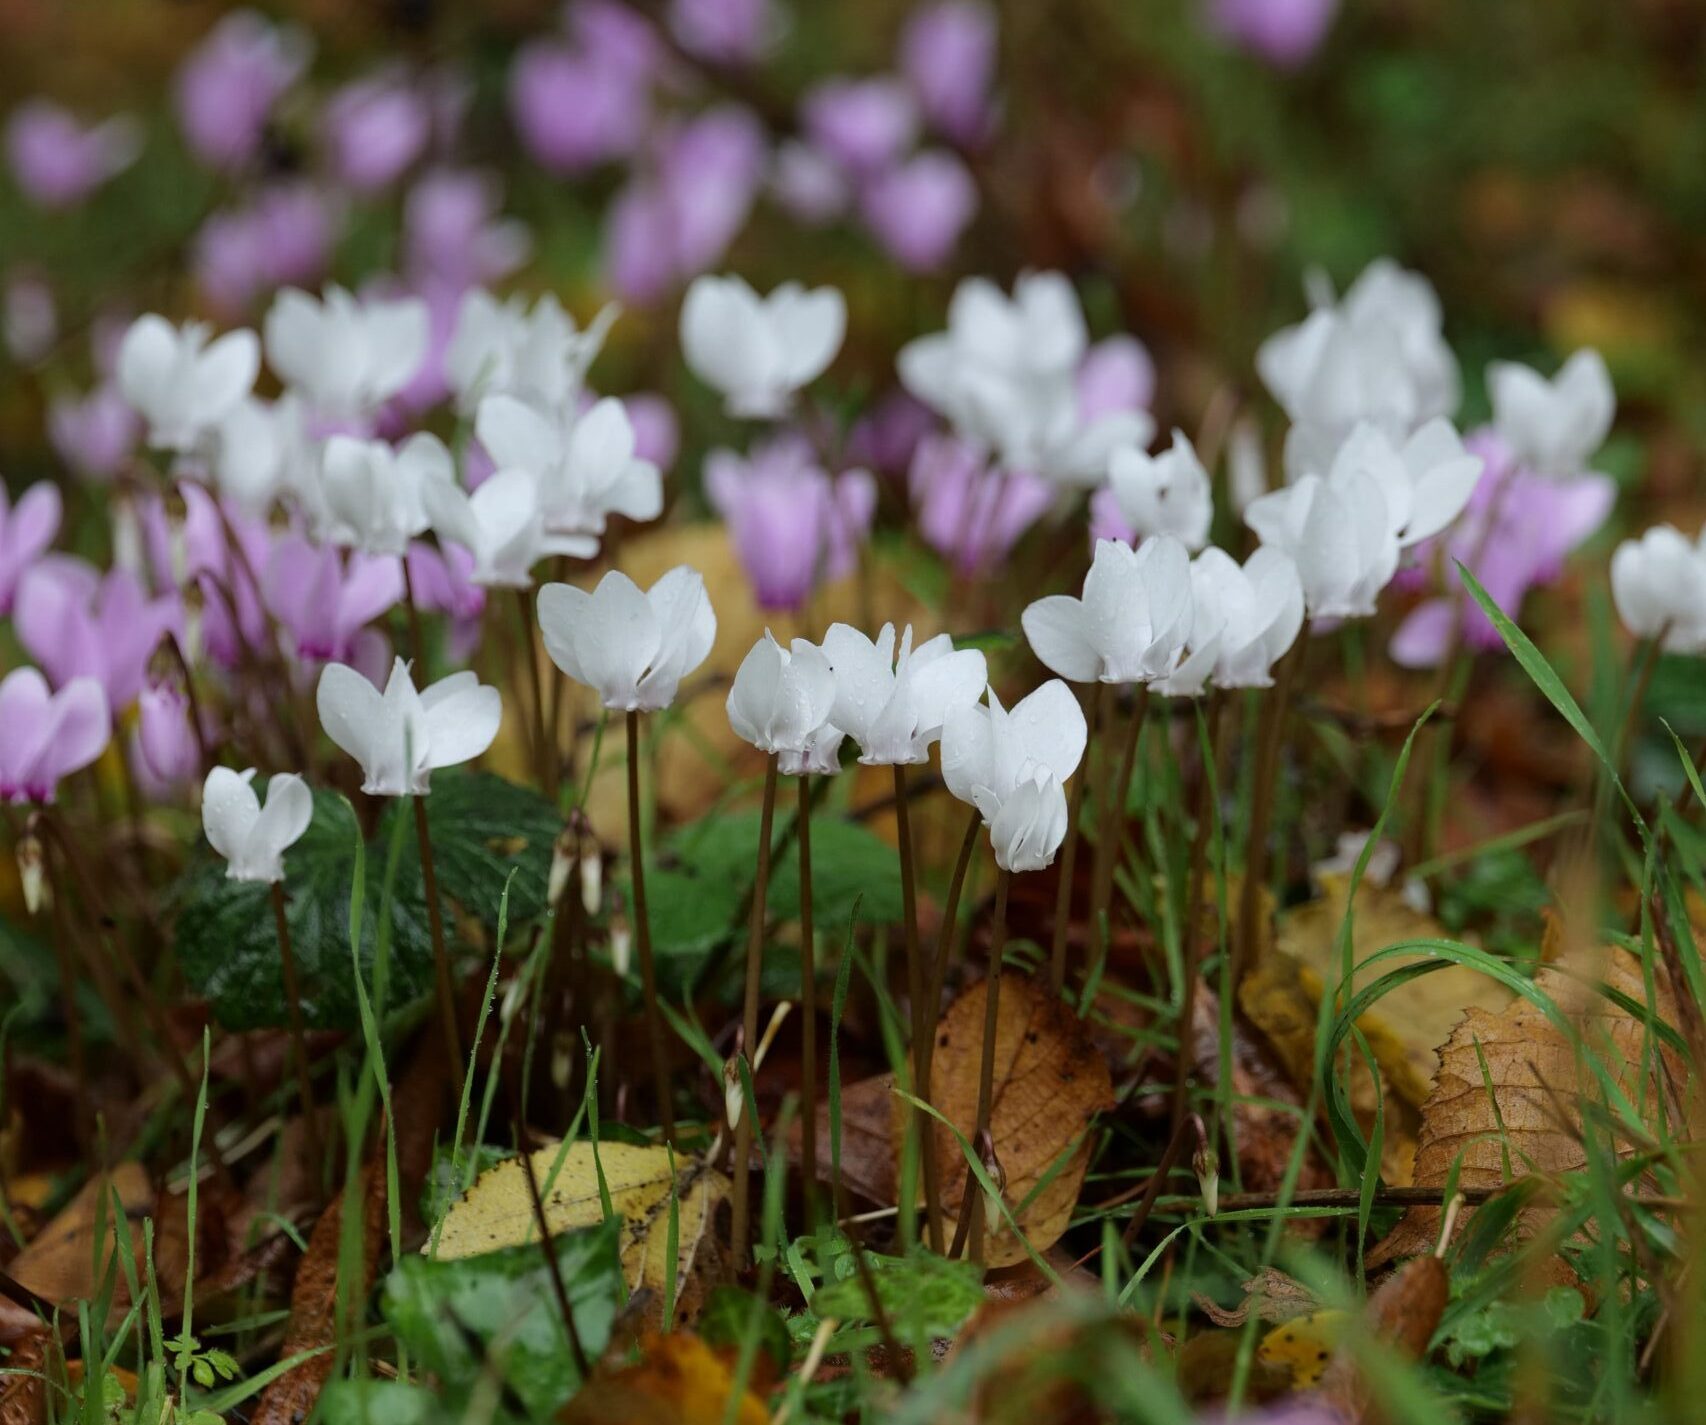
x=1113, y=815
x=808, y=1008
x=740, y=1199
x=203, y=755
x=972, y=1212
x=298, y=1032
x=555, y=1268
x=1262, y=807
x=643, y=935
x=915, y=986
x=1146, y=1203
x=1205, y=814
x=440, y=953
x=83, y=1121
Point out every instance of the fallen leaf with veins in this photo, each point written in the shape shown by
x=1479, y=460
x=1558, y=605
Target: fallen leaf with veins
x=497, y=1211
x=1402, y=1316
x=867, y=1139
x=1049, y=1084
x=1524, y=1114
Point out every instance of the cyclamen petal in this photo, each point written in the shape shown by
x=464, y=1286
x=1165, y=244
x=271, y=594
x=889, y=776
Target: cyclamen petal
x=781, y=697
x=182, y=383
x=896, y=710
x=632, y=647
x=1132, y=623
x=400, y=736
x=253, y=840
x=758, y=351
x=1553, y=427
x=46, y=736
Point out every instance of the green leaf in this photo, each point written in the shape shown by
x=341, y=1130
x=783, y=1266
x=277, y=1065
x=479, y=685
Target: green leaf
x=482, y=829
x=731, y=1315
x=452, y=1315
x=228, y=946
x=925, y=1297
x=379, y=1402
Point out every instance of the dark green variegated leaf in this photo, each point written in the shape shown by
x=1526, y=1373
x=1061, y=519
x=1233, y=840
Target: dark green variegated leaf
x=452, y=1314
x=482, y=829
x=731, y=1316
x=228, y=946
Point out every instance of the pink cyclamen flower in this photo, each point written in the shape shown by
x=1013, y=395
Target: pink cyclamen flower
x=724, y=31
x=587, y=100
x=77, y=622
x=324, y=599
x=969, y=511
x=233, y=619
x=918, y=209
x=46, y=736
x=443, y=578
x=166, y=746
x=793, y=526
x=1117, y=375
x=227, y=87
x=947, y=53
x=374, y=129
x=29, y=317
x=1282, y=32
x=677, y=220
x=1536, y=521
x=657, y=432
x=282, y=238
x=887, y=435
x=94, y=434
x=865, y=125
x=26, y=530
x=57, y=161
x=454, y=234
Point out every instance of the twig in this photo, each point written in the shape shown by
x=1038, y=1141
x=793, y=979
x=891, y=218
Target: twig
x=740, y=1201
x=298, y=1033
x=440, y=952
x=915, y=984
x=643, y=935
x=808, y=1008
x=972, y=1211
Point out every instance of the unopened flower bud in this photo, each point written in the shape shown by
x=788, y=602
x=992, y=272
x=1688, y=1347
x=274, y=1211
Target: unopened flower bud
x=1205, y=1163
x=592, y=876
x=733, y=1099
x=621, y=943
x=562, y=861
x=32, y=871
x=177, y=515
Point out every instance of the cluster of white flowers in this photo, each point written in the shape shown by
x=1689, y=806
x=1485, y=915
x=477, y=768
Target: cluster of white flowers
x=563, y=464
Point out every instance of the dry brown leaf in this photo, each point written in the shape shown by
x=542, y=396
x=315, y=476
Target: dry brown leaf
x=23, y=1390
x=1049, y=1083
x=1531, y=1122
x=678, y=1380
x=867, y=1139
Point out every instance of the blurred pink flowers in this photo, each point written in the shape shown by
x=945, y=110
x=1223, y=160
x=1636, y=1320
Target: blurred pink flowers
x=94, y=434
x=374, y=129
x=1282, y=32
x=281, y=238
x=228, y=85
x=969, y=511
x=947, y=53
x=1535, y=522
x=580, y=101
x=59, y=161
x=26, y=530
x=47, y=736
x=792, y=524
x=77, y=623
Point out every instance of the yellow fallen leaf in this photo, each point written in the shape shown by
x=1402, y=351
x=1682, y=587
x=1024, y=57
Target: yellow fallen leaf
x=1303, y=1346
x=497, y=1211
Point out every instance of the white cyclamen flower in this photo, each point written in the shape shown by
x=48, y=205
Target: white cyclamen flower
x=781, y=697
x=182, y=384
x=1167, y=493
x=262, y=451
x=757, y=350
x=1256, y=612
x=632, y=647
x=1132, y=623
x=345, y=355
x=252, y=840
x=374, y=497
x=821, y=756
x=538, y=356
x=1658, y=583
x=1013, y=766
x=583, y=466
x=1553, y=427
x=1378, y=355
x=400, y=737
x=1005, y=372
x=498, y=524
x=1346, y=530
x=894, y=704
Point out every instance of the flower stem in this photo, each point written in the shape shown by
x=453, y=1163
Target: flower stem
x=1262, y=809
x=1113, y=815
x=741, y=1197
x=417, y=640
x=1069, y=855
x=643, y=935
x=972, y=1212
x=440, y=954
x=1195, y=887
x=298, y=1033
x=544, y=740
x=922, y=1025
x=808, y=1007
